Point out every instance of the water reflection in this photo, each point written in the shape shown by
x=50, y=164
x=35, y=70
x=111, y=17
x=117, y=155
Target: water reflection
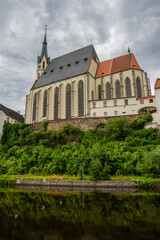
x=61, y=215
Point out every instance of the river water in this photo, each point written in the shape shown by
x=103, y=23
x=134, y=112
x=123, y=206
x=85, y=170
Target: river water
x=57, y=215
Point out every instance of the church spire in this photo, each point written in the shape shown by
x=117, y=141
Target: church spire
x=44, y=45
x=44, y=51
x=43, y=59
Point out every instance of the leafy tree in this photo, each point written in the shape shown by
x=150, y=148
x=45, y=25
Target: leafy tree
x=117, y=129
x=95, y=169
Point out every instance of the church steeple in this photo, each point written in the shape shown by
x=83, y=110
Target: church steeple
x=43, y=59
x=44, y=45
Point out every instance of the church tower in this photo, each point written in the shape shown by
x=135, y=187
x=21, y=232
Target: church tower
x=43, y=60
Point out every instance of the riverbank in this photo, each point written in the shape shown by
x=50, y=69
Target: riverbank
x=71, y=181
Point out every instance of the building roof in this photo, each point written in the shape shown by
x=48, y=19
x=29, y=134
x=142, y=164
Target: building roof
x=157, y=83
x=117, y=65
x=12, y=114
x=67, y=66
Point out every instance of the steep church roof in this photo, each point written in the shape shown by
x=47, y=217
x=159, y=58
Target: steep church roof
x=117, y=65
x=67, y=66
x=12, y=114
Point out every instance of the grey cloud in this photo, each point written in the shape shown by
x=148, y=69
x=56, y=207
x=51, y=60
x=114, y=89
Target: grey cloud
x=109, y=25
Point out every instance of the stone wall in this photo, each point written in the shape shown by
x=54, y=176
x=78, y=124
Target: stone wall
x=82, y=123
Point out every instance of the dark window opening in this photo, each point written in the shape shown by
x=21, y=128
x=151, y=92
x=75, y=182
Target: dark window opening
x=52, y=70
x=45, y=72
x=138, y=85
x=150, y=100
x=128, y=87
x=80, y=98
x=77, y=62
x=61, y=67
x=69, y=65
x=43, y=64
x=34, y=106
x=99, y=92
x=108, y=91
x=68, y=101
x=45, y=104
x=85, y=59
x=56, y=97
x=118, y=89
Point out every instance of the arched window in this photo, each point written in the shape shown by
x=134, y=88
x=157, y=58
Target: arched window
x=34, y=106
x=108, y=91
x=99, y=92
x=92, y=95
x=56, y=97
x=80, y=98
x=128, y=87
x=118, y=89
x=138, y=85
x=43, y=64
x=45, y=104
x=68, y=101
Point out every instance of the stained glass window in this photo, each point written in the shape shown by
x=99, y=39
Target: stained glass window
x=118, y=89
x=45, y=104
x=128, y=87
x=56, y=97
x=80, y=98
x=34, y=106
x=108, y=91
x=68, y=101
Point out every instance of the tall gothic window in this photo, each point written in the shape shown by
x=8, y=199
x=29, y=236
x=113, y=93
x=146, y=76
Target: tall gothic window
x=80, y=98
x=108, y=91
x=56, y=97
x=99, y=92
x=128, y=87
x=139, y=90
x=34, y=106
x=68, y=101
x=118, y=89
x=92, y=95
x=43, y=64
x=45, y=104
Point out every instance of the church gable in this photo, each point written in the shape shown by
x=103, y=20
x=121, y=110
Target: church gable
x=67, y=66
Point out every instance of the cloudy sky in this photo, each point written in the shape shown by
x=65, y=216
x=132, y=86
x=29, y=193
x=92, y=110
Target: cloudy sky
x=110, y=25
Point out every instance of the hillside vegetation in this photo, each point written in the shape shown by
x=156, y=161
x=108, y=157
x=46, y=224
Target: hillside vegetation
x=121, y=148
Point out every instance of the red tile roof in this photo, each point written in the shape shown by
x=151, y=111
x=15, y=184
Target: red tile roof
x=117, y=64
x=157, y=83
x=145, y=97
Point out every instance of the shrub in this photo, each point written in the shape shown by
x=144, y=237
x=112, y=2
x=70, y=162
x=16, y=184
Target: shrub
x=117, y=129
x=95, y=169
x=140, y=122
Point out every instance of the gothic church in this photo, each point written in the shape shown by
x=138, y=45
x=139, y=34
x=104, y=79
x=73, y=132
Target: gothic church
x=78, y=85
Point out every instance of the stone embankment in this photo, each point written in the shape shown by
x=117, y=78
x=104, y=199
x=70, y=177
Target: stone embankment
x=84, y=184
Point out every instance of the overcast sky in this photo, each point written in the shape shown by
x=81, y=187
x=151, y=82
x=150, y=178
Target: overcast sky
x=110, y=25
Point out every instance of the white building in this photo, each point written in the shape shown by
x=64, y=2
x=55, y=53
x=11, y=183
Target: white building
x=10, y=116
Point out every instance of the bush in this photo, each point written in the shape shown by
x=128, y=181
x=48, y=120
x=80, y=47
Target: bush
x=117, y=129
x=95, y=169
x=140, y=122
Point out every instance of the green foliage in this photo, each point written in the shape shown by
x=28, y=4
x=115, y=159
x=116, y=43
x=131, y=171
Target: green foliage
x=140, y=122
x=95, y=169
x=44, y=125
x=118, y=150
x=117, y=129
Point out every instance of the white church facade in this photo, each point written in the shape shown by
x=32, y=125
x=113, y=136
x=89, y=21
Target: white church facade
x=78, y=85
